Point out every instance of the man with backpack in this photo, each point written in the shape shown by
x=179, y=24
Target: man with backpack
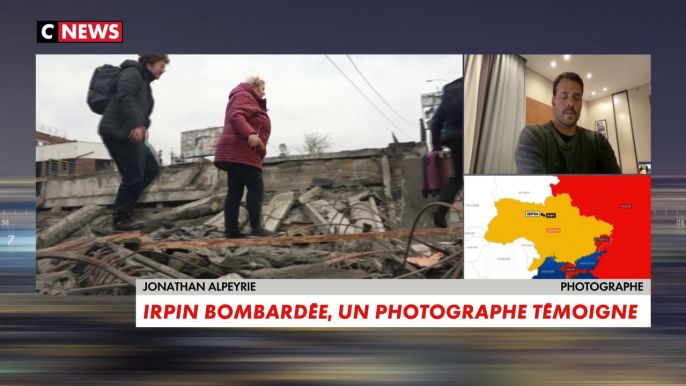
x=447, y=129
x=123, y=128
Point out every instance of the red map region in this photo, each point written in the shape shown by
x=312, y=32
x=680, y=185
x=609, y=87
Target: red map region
x=571, y=270
x=599, y=243
x=624, y=202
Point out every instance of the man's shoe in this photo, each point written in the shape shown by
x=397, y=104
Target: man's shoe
x=439, y=217
x=127, y=224
x=261, y=232
x=234, y=235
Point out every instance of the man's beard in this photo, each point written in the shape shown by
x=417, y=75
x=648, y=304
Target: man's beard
x=561, y=121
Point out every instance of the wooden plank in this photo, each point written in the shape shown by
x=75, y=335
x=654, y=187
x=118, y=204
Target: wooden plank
x=158, y=245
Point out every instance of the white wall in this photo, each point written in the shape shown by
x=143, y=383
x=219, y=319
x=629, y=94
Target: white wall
x=600, y=109
x=540, y=89
x=537, y=87
x=72, y=150
x=639, y=102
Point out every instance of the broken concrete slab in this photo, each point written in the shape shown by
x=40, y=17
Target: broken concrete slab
x=322, y=226
x=312, y=271
x=278, y=209
x=340, y=205
x=216, y=221
x=212, y=204
x=336, y=221
x=311, y=195
x=364, y=213
x=69, y=224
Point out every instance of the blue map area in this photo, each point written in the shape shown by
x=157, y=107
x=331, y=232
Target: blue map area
x=590, y=261
x=550, y=269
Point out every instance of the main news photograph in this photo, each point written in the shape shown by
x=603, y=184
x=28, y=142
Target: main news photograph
x=246, y=167
x=558, y=157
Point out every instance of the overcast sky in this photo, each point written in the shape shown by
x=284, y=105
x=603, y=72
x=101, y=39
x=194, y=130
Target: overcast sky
x=305, y=93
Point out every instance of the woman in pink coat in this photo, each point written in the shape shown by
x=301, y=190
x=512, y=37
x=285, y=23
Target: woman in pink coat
x=241, y=149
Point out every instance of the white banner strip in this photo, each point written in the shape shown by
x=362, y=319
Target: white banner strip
x=367, y=311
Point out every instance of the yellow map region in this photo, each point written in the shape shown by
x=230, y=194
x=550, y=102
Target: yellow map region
x=568, y=236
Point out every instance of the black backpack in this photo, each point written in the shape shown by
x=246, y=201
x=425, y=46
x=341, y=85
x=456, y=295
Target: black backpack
x=102, y=87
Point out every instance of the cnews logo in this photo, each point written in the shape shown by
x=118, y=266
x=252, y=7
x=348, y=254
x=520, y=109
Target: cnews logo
x=80, y=32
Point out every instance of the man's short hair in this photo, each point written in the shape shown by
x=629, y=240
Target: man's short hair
x=570, y=76
x=144, y=59
x=254, y=81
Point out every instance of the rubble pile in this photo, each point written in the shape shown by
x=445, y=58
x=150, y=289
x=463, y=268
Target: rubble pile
x=79, y=253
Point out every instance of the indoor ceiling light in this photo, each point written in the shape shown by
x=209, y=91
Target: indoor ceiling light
x=566, y=57
x=553, y=64
x=588, y=75
x=593, y=93
x=604, y=88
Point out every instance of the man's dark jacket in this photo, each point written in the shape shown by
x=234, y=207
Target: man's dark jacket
x=448, y=122
x=131, y=104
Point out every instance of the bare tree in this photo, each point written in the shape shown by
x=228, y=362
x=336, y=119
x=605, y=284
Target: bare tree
x=315, y=143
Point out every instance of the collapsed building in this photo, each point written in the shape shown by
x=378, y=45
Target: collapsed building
x=350, y=214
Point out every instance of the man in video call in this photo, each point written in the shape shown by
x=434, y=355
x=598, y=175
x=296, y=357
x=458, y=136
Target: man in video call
x=561, y=146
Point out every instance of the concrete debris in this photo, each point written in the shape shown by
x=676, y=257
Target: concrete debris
x=296, y=217
x=321, y=225
x=341, y=217
x=311, y=195
x=277, y=210
x=364, y=212
x=209, y=205
x=336, y=222
x=69, y=224
x=55, y=283
x=186, y=263
x=300, y=230
x=45, y=266
x=313, y=271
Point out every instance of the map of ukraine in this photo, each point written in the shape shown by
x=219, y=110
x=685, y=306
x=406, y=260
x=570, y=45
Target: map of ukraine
x=567, y=242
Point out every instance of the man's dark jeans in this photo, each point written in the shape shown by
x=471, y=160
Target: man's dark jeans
x=138, y=168
x=241, y=176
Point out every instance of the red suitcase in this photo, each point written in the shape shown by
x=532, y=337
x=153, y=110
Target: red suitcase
x=435, y=171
